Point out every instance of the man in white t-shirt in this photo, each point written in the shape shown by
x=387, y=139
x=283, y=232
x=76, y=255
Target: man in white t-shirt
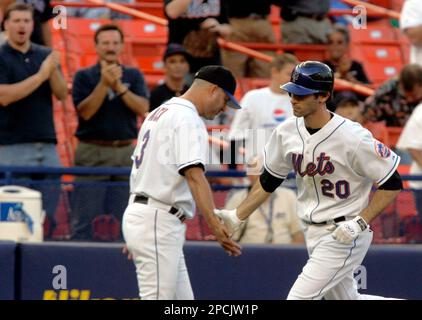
x=411, y=24
x=264, y=109
x=411, y=141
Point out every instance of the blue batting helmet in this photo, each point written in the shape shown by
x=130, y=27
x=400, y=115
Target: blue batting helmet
x=310, y=77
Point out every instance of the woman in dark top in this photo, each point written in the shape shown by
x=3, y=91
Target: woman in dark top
x=339, y=60
x=185, y=16
x=343, y=66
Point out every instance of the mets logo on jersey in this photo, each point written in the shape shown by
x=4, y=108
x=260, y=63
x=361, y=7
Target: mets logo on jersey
x=381, y=149
x=279, y=115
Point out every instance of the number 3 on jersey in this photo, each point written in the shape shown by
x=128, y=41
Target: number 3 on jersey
x=140, y=157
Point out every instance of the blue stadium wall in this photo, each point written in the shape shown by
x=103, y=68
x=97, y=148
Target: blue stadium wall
x=81, y=271
x=7, y=270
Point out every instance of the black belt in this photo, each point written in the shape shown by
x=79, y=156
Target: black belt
x=336, y=220
x=173, y=210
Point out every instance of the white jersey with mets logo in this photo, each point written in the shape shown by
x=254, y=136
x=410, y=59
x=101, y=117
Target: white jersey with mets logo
x=335, y=167
x=172, y=137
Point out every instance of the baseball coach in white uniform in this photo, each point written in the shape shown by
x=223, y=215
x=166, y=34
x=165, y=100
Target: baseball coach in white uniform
x=167, y=179
x=336, y=162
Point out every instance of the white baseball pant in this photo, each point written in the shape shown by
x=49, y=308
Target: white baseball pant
x=156, y=238
x=329, y=270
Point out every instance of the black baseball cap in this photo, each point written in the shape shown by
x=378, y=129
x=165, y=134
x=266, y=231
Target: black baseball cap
x=223, y=78
x=175, y=48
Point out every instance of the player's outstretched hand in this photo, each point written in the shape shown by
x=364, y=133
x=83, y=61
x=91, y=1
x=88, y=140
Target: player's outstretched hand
x=222, y=236
x=349, y=230
x=230, y=219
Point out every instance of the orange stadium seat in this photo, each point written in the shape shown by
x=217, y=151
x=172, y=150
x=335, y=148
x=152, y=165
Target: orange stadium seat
x=381, y=62
x=153, y=7
x=383, y=49
x=378, y=53
x=148, y=54
x=397, y=5
x=141, y=29
x=372, y=34
x=379, y=131
x=84, y=27
x=79, y=42
x=145, y=43
x=381, y=3
x=309, y=52
x=394, y=134
x=404, y=45
x=80, y=47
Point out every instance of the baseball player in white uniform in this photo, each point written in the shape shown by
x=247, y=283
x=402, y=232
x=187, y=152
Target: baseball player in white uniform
x=336, y=162
x=167, y=179
x=411, y=141
x=263, y=109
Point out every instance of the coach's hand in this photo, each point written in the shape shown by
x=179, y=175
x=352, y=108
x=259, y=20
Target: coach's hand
x=230, y=219
x=222, y=236
x=349, y=230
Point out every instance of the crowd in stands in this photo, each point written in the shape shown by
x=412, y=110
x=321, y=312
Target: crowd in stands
x=249, y=23
x=29, y=76
x=176, y=68
x=110, y=97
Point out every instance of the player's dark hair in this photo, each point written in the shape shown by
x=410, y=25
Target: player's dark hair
x=410, y=75
x=324, y=94
x=17, y=6
x=108, y=27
